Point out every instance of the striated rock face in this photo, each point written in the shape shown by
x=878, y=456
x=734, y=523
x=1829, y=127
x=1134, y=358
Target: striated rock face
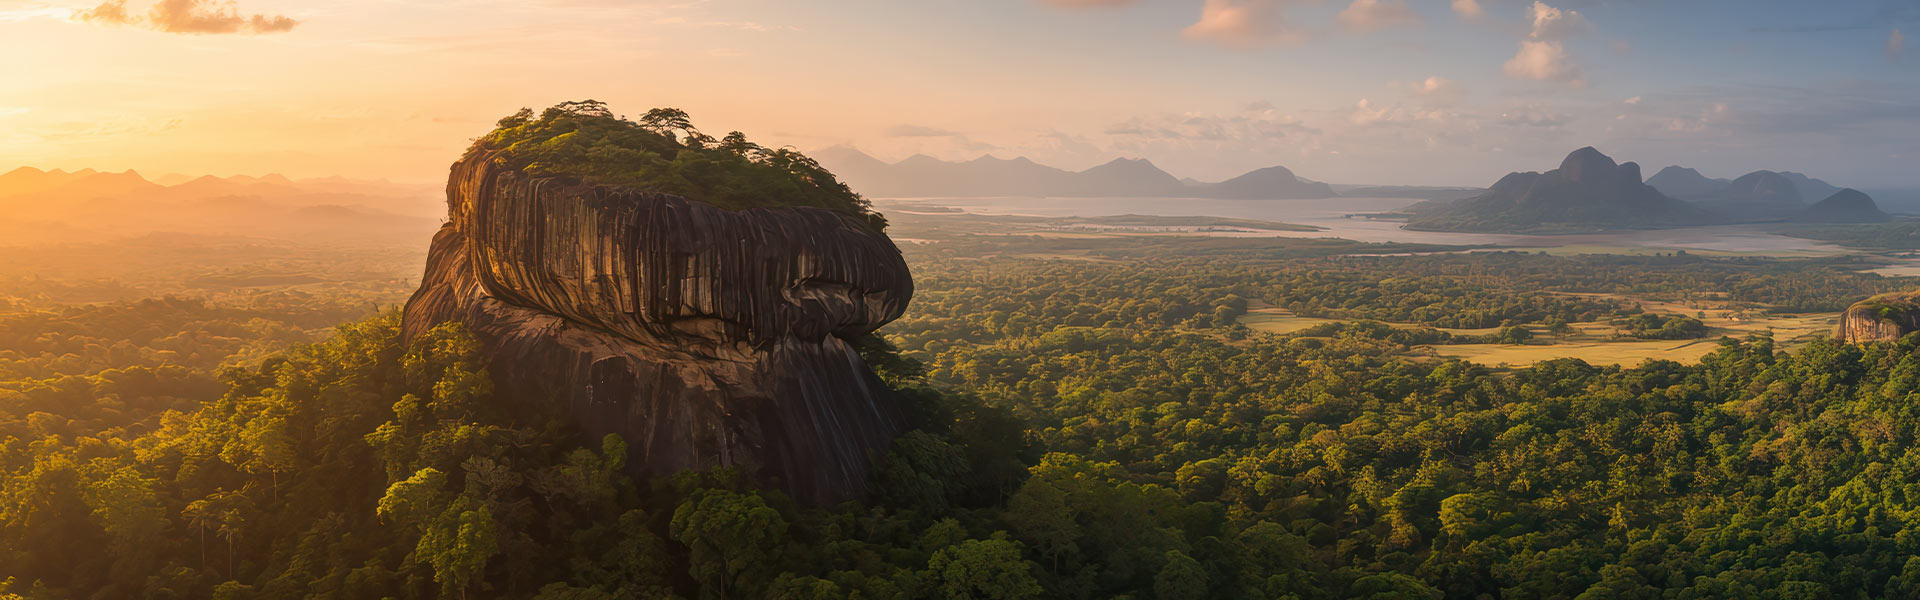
x=702, y=336
x=1885, y=317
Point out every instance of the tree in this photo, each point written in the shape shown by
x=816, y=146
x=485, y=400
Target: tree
x=458, y=543
x=226, y=513
x=990, y=569
x=731, y=537
x=1181, y=578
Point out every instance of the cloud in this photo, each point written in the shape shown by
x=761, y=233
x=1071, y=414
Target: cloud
x=1369, y=15
x=1533, y=116
x=903, y=131
x=1543, y=60
x=1633, y=100
x=1698, y=124
x=111, y=12
x=1551, y=23
x=1365, y=113
x=1436, y=86
x=1542, y=56
x=1260, y=123
x=187, y=16
x=713, y=24
x=1468, y=8
x=1087, y=3
x=1896, y=44
x=1244, y=24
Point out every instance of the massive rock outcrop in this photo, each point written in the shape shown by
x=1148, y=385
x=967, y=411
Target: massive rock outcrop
x=1885, y=317
x=705, y=337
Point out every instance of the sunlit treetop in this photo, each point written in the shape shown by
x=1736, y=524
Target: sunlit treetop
x=663, y=152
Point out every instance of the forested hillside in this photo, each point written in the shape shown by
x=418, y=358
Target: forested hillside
x=1085, y=429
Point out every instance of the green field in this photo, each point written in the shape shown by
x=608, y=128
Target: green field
x=1594, y=342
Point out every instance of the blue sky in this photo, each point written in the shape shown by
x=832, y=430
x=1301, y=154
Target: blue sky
x=1450, y=92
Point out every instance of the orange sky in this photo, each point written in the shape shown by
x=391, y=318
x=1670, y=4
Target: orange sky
x=1400, y=92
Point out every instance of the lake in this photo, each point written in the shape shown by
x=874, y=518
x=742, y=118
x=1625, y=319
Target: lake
x=1334, y=216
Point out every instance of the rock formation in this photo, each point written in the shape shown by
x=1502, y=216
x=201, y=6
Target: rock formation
x=1885, y=317
x=1685, y=184
x=1588, y=192
x=1269, y=183
x=1756, y=196
x=1844, y=206
x=925, y=176
x=704, y=337
x=1808, y=186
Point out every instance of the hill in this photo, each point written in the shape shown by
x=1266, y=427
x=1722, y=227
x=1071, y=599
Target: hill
x=1685, y=183
x=1587, y=192
x=1808, y=186
x=921, y=176
x=1271, y=182
x=1844, y=206
x=1756, y=196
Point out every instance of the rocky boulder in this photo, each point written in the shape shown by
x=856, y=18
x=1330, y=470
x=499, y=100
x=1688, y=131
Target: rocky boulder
x=705, y=337
x=1885, y=317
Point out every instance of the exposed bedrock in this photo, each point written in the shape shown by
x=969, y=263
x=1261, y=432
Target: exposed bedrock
x=704, y=337
x=1885, y=317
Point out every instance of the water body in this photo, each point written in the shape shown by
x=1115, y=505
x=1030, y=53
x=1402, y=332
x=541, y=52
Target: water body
x=1336, y=217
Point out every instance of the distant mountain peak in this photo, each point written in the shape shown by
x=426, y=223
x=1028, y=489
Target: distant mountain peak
x=1589, y=191
x=1845, y=206
x=921, y=175
x=1588, y=162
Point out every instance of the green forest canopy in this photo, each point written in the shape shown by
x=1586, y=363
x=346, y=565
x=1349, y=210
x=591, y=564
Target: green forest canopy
x=663, y=152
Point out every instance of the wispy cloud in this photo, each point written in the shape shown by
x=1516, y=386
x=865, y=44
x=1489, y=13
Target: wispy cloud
x=1435, y=87
x=918, y=131
x=1087, y=3
x=1369, y=15
x=1468, y=8
x=1896, y=44
x=186, y=16
x=1551, y=23
x=1244, y=24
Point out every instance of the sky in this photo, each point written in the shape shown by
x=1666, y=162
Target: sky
x=1431, y=92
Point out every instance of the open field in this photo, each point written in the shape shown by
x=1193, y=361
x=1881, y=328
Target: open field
x=1595, y=342
x=1597, y=352
x=1272, y=319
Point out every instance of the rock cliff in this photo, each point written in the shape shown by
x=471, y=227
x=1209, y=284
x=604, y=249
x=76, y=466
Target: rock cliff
x=705, y=337
x=1884, y=317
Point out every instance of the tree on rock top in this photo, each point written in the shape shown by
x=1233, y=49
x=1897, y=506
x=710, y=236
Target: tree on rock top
x=664, y=152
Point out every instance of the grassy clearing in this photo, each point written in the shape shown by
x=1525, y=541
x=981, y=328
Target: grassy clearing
x=1595, y=342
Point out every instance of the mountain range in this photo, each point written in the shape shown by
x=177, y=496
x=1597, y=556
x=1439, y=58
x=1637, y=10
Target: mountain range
x=921, y=176
x=56, y=206
x=1588, y=191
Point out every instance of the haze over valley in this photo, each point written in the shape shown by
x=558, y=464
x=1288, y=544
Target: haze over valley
x=1001, y=300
